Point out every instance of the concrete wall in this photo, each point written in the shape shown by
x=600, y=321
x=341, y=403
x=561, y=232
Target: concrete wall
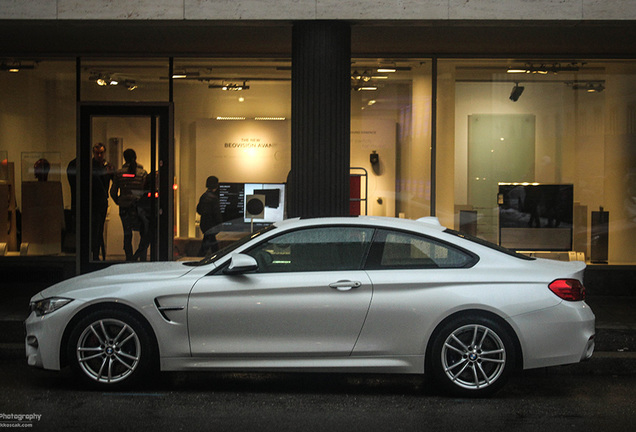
x=318, y=9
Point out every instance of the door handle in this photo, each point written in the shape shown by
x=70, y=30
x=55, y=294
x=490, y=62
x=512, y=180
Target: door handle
x=345, y=285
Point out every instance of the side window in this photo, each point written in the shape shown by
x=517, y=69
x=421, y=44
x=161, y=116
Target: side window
x=399, y=250
x=314, y=249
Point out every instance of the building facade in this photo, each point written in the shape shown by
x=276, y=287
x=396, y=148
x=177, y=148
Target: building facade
x=514, y=121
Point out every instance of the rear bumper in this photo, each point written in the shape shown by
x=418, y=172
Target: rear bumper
x=558, y=335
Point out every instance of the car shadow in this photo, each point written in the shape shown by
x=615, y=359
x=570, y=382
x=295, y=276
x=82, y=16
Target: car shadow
x=533, y=383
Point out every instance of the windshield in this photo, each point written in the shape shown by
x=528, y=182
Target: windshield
x=229, y=249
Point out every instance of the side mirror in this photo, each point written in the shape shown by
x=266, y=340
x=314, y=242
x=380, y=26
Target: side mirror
x=240, y=264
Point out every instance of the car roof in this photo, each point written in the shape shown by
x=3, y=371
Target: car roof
x=422, y=224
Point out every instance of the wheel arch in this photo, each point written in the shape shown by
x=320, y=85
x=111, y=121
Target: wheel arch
x=97, y=307
x=484, y=314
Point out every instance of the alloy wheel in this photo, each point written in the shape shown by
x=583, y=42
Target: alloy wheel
x=473, y=357
x=108, y=351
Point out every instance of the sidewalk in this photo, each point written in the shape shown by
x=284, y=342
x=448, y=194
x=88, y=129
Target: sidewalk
x=615, y=352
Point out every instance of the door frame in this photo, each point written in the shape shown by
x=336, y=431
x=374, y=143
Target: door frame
x=164, y=113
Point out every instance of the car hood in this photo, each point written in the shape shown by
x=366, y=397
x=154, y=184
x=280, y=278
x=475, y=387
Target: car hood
x=118, y=274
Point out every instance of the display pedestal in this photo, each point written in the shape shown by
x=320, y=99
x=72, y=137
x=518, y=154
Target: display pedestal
x=42, y=217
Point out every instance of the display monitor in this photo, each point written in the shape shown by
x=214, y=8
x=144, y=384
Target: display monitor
x=536, y=217
x=231, y=197
x=232, y=200
x=274, y=194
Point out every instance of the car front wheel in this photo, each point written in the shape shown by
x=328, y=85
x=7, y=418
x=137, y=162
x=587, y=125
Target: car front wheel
x=472, y=356
x=110, y=348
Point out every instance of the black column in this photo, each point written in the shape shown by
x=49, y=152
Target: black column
x=321, y=87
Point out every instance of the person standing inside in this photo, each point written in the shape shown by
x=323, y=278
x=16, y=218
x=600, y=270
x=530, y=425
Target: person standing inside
x=209, y=208
x=128, y=186
x=102, y=174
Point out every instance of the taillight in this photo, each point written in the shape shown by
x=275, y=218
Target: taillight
x=568, y=289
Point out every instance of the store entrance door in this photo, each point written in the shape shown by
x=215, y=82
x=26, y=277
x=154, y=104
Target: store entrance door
x=124, y=196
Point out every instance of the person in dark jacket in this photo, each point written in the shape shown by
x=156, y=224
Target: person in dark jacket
x=209, y=208
x=102, y=173
x=127, y=189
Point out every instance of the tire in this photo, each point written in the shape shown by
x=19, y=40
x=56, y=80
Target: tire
x=471, y=356
x=111, y=349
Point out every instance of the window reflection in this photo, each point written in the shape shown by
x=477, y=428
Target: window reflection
x=317, y=249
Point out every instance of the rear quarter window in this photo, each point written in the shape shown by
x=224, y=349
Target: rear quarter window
x=402, y=250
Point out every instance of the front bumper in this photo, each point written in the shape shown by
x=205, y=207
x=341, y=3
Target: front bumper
x=44, y=337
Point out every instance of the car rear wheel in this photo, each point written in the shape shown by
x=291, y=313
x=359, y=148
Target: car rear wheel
x=110, y=348
x=472, y=356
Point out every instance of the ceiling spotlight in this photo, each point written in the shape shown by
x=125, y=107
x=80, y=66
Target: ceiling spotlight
x=588, y=86
x=15, y=66
x=362, y=81
x=516, y=92
x=236, y=86
x=111, y=80
x=185, y=74
x=544, y=69
x=595, y=88
x=104, y=79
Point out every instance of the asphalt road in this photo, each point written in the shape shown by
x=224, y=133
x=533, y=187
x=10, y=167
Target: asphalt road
x=550, y=400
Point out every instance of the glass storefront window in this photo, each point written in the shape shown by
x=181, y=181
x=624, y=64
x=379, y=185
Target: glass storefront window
x=124, y=80
x=517, y=141
x=539, y=155
x=37, y=141
x=391, y=137
x=232, y=121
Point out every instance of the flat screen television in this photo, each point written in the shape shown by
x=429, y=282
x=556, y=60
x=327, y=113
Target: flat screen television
x=536, y=217
x=274, y=194
x=232, y=198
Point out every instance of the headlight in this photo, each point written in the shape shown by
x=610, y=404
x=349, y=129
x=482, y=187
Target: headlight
x=48, y=305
